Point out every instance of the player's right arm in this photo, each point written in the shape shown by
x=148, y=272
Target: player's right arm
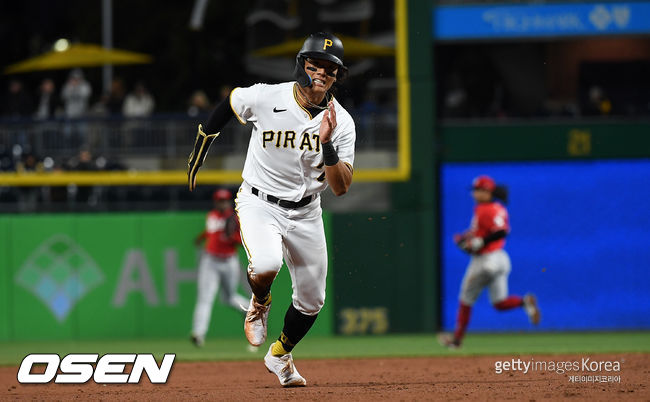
x=202, y=236
x=465, y=239
x=496, y=224
x=490, y=223
x=218, y=119
x=239, y=105
x=338, y=170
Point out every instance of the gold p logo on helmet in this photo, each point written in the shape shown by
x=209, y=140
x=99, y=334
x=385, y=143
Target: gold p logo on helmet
x=327, y=43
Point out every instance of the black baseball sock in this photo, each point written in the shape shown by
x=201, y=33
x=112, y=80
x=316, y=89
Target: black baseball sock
x=296, y=326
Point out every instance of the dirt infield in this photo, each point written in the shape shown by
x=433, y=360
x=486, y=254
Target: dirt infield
x=433, y=378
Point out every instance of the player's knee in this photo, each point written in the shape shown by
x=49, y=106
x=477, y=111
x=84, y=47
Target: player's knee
x=310, y=303
x=467, y=300
x=206, y=298
x=262, y=272
x=265, y=263
x=311, y=307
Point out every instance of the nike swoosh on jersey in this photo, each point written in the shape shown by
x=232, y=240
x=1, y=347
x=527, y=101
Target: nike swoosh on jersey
x=276, y=110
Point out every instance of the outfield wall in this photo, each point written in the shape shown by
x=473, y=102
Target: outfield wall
x=579, y=241
x=98, y=276
x=133, y=275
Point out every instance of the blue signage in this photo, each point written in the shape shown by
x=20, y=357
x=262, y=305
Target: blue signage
x=530, y=21
x=578, y=241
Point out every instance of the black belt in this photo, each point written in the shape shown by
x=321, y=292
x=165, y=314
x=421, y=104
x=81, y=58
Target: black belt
x=284, y=203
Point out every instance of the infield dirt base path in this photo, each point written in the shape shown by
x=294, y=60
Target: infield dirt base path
x=431, y=378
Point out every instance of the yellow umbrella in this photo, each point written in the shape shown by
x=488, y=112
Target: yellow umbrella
x=78, y=55
x=353, y=48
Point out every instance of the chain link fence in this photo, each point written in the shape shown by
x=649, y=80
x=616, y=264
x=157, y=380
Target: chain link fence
x=155, y=144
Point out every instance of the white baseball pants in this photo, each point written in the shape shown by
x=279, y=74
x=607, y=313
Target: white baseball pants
x=489, y=270
x=271, y=233
x=213, y=273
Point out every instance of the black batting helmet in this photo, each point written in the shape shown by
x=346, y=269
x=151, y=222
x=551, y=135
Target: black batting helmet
x=320, y=45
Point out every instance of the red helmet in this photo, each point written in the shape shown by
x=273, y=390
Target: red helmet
x=484, y=183
x=221, y=194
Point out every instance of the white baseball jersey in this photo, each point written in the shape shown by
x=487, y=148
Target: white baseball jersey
x=284, y=156
x=285, y=160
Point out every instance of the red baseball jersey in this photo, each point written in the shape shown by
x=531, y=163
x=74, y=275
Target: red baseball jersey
x=217, y=243
x=490, y=217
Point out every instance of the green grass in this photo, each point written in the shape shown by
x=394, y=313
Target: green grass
x=11, y=353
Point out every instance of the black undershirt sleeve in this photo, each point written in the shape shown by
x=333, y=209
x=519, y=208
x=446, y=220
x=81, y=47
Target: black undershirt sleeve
x=499, y=234
x=220, y=116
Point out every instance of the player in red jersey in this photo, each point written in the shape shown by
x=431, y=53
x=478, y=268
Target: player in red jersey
x=489, y=264
x=219, y=266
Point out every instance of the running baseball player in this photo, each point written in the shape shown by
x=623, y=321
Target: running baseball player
x=219, y=265
x=302, y=141
x=489, y=264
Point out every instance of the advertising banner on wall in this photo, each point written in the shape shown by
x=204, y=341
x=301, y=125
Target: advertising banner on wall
x=540, y=20
x=91, y=276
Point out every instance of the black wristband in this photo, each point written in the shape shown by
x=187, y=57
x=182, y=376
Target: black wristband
x=499, y=234
x=330, y=157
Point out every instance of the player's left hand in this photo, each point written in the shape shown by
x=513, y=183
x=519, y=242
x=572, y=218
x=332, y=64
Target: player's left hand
x=471, y=244
x=459, y=237
x=232, y=225
x=328, y=124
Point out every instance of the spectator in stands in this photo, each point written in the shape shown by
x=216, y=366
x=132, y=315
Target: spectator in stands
x=100, y=108
x=29, y=163
x=18, y=105
x=6, y=161
x=17, y=102
x=139, y=102
x=598, y=103
x=75, y=95
x=115, y=100
x=84, y=161
x=455, y=100
x=54, y=194
x=28, y=196
x=224, y=92
x=199, y=104
x=47, y=102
